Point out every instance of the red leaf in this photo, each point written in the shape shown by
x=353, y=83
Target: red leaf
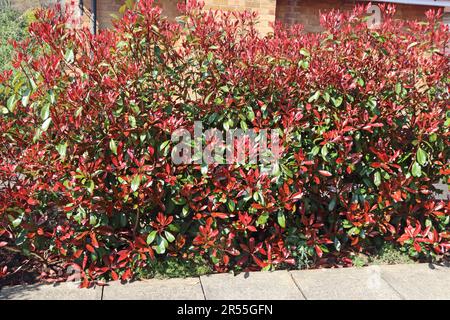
x=114, y=275
x=94, y=240
x=32, y=202
x=417, y=247
x=325, y=173
x=297, y=195
x=220, y=215
x=318, y=251
x=259, y=262
x=90, y=248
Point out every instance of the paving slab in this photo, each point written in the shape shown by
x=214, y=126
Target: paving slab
x=277, y=285
x=155, y=289
x=419, y=281
x=59, y=291
x=345, y=284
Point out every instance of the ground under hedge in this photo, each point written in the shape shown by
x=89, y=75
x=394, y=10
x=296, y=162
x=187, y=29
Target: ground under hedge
x=86, y=166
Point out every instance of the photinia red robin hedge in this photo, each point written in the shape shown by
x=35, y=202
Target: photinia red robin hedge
x=87, y=177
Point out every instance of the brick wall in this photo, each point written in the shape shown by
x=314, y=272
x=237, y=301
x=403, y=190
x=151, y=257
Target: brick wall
x=306, y=12
x=23, y=5
x=265, y=8
x=107, y=8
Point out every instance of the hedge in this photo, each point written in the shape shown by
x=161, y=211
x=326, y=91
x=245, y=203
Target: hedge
x=86, y=150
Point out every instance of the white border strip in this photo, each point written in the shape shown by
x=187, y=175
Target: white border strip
x=434, y=3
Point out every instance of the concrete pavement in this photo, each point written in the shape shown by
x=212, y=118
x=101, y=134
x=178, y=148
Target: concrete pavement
x=384, y=282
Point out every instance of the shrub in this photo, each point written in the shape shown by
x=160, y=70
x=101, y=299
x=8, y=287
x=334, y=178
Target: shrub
x=85, y=154
x=12, y=26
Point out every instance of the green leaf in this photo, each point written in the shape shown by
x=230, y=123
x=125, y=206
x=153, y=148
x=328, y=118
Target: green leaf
x=421, y=156
x=398, y=88
x=158, y=53
x=337, y=244
x=315, y=96
x=92, y=220
x=281, y=219
x=276, y=169
x=161, y=245
x=52, y=97
x=433, y=137
x=164, y=145
x=17, y=222
x=132, y=121
x=135, y=182
x=204, y=168
x=90, y=186
x=151, y=236
x=33, y=84
x=262, y=219
x=346, y=224
x=169, y=236
x=45, y=112
x=332, y=204
x=26, y=97
x=122, y=219
x=337, y=102
x=208, y=97
x=304, y=52
x=324, y=151
x=11, y=103
x=315, y=150
x=231, y=205
x=179, y=201
x=416, y=170
x=185, y=211
x=354, y=231
x=62, y=149
x=69, y=56
x=46, y=124
x=113, y=146
x=377, y=178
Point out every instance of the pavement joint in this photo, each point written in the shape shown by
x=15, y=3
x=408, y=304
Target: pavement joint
x=392, y=287
x=298, y=286
x=203, y=289
x=101, y=295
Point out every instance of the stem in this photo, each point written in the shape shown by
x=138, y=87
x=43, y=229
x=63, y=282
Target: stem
x=34, y=254
x=136, y=224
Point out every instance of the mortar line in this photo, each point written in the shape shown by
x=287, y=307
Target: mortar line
x=298, y=286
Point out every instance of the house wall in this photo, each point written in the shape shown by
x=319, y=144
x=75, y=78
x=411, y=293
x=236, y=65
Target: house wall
x=265, y=8
x=107, y=8
x=23, y=5
x=306, y=12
